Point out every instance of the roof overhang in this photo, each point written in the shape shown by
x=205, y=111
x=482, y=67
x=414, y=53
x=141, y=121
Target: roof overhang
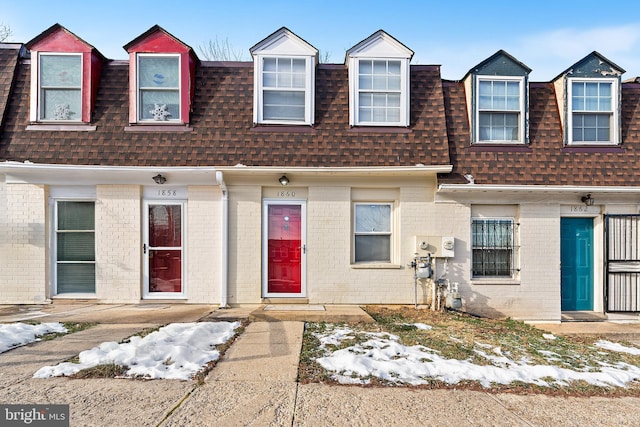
x=34, y=173
x=563, y=194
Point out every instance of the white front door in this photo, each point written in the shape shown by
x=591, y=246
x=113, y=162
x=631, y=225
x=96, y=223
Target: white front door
x=163, y=249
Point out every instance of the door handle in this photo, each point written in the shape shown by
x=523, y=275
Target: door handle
x=304, y=249
x=144, y=248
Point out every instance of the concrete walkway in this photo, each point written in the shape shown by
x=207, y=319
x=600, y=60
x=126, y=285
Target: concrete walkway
x=255, y=384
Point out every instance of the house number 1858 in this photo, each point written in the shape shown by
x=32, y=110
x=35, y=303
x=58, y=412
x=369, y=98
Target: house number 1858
x=167, y=193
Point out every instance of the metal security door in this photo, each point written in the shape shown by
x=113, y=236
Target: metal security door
x=622, y=288
x=576, y=252
x=284, y=249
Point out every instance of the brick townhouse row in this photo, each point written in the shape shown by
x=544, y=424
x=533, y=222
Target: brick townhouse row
x=164, y=177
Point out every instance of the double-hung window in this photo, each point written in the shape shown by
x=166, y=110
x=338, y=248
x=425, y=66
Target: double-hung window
x=500, y=109
x=379, y=91
x=372, y=232
x=75, y=260
x=493, y=248
x=60, y=89
x=284, y=89
x=158, y=79
x=593, y=110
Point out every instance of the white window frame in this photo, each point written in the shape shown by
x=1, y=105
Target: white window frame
x=614, y=114
x=520, y=111
x=54, y=244
x=514, y=249
x=354, y=83
x=37, y=98
x=391, y=233
x=139, y=112
x=309, y=91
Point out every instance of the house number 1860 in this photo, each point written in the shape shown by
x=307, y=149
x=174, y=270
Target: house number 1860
x=286, y=194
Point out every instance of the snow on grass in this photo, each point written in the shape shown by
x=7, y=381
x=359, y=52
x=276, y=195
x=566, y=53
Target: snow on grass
x=175, y=351
x=383, y=356
x=612, y=346
x=16, y=334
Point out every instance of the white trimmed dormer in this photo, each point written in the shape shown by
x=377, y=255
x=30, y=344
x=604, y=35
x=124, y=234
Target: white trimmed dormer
x=379, y=81
x=284, y=80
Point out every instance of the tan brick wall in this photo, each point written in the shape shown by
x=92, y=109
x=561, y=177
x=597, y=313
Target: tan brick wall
x=203, y=244
x=23, y=249
x=118, y=243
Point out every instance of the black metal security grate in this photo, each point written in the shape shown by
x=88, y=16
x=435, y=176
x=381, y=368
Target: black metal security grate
x=622, y=263
x=493, y=248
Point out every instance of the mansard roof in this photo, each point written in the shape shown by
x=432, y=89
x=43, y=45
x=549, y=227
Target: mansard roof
x=223, y=133
x=9, y=56
x=545, y=160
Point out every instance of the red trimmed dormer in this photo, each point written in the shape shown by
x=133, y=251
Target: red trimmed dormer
x=65, y=71
x=161, y=79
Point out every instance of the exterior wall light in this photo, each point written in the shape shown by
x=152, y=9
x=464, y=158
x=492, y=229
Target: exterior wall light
x=160, y=179
x=283, y=180
x=587, y=200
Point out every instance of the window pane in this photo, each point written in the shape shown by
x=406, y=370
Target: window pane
x=155, y=71
x=299, y=66
x=155, y=104
x=78, y=246
x=372, y=248
x=61, y=104
x=269, y=64
x=165, y=226
x=76, y=215
x=492, y=242
x=284, y=105
x=365, y=82
x=498, y=95
x=372, y=218
x=60, y=71
x=366, y=67
x=76, y=278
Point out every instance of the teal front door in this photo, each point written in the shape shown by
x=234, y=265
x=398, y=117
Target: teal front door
x=576, y=257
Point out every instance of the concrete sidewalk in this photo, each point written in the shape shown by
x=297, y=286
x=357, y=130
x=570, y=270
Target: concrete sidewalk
x=255, y=383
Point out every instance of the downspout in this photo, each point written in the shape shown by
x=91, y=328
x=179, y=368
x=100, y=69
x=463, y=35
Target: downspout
x=224, y=253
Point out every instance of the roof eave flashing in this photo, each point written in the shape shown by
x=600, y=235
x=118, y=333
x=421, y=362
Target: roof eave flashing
x=474, y=188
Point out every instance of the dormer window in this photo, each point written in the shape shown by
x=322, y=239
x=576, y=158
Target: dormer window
x=588, y=97
x=379, y=82
x=497, y=96
x=60, y=87
x=500, y=112
x=65, y=71
x=284, y=80
x=158, y=88
x=162, y=80
x=592, y=110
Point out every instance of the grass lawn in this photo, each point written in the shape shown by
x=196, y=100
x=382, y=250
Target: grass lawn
x=422, y=348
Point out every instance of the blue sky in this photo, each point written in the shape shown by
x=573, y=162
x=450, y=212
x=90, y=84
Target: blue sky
x=546, y=36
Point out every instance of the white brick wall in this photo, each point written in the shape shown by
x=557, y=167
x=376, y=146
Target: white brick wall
x=118, y=243
x=23, y=251
x=203, y=244
x=245, y=228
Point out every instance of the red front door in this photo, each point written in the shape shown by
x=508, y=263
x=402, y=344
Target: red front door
x=285, y=249
x=164, y=248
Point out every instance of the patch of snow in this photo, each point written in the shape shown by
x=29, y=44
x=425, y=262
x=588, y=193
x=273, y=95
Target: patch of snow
x=548, y=336
x=14, y=335
x=387, y=359
x=612, y=346
x=175, y=351
x=421, y=326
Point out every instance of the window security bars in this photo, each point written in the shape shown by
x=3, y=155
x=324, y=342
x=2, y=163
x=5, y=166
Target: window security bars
x=493, y=248
x=622, y=263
